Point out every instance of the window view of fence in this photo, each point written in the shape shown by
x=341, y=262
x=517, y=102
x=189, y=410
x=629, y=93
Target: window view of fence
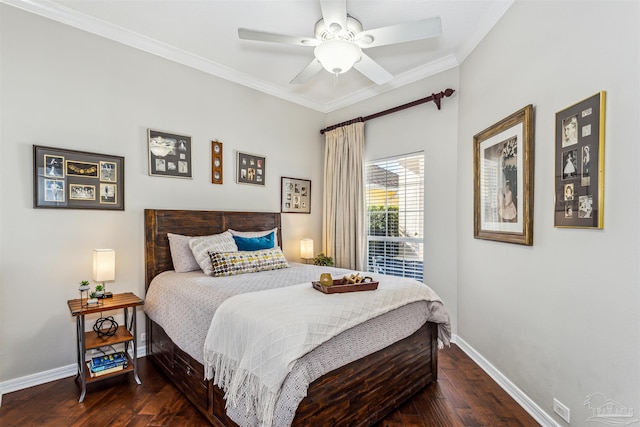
x=395, y=215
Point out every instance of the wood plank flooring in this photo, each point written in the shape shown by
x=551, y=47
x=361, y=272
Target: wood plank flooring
x=463, y=396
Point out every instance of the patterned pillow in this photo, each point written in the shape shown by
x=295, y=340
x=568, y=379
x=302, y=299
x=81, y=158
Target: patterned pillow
x=201, y=246
x=257, y=234
x=240, y=262
x=181, y=255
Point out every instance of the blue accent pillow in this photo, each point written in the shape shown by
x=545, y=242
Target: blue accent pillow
x=254, y=243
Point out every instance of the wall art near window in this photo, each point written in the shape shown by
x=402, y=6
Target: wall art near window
x=169, y=154
x=503, y=180
x=77, y=179
x=295, y=195
x=250, y=169
x=579, y=164
x=216, y=162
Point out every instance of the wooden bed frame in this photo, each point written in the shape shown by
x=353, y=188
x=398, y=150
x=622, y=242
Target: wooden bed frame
x=358, y=394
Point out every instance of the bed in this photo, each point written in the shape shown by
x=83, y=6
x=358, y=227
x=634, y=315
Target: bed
x=361, y=392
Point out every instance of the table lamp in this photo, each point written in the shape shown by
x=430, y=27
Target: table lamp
x=104, y=268
x=306, y=249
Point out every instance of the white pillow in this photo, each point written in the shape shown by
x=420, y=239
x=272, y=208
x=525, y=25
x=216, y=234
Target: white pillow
x=201, y=246
x=181, y=254
x=257, y=234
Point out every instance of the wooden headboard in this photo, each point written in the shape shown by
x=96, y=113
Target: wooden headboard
x=159, y=222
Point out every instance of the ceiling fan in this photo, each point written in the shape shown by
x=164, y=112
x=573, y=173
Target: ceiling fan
x=339, y=40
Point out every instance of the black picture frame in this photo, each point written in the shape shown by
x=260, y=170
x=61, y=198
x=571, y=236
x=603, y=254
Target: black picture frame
x=295, y=195
x=71, y=179
x=579, y=164
x=169, y=154
x=251, y=169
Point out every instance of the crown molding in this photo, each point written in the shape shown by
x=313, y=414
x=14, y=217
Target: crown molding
x=73, y=18
x=68, y=16
x=408, y=77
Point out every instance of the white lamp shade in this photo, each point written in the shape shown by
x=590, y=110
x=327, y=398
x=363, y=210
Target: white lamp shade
x=306, y=248
x=104, y=265
x=337, y=56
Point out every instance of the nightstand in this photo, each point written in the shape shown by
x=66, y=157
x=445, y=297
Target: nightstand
x=126, y=334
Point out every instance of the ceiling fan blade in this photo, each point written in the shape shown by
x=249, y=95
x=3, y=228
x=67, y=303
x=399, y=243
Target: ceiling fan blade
x=334, y=14
x=400, y=33
x=372, y=70
x=308, y=72
x=261, y=36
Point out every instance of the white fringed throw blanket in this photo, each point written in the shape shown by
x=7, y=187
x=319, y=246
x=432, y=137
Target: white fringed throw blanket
x=255, y=338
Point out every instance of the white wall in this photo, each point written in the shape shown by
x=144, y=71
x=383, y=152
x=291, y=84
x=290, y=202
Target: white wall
x=422, y=128
x=561, y=318
x=62, y=87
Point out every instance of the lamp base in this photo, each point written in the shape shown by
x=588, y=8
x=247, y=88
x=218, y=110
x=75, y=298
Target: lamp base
x=107, y=295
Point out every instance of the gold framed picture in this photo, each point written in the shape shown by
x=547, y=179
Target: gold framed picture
x=579, y=164
x=503, y=180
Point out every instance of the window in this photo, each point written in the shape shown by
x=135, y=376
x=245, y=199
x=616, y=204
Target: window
x=395, y=215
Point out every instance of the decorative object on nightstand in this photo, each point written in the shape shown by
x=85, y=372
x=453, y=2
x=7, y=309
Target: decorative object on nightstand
x=306, y=249
x=104, y=269
x=322, y=259
x=86, y=297
x=105, y=327
x=126, y=335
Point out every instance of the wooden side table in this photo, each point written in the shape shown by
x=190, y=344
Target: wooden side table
x=126, y=334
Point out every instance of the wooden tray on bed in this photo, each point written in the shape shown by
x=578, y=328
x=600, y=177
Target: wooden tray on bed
x=339, y=288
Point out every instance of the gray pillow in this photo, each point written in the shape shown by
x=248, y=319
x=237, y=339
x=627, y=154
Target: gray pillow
x=183, y=259
x=201, y=246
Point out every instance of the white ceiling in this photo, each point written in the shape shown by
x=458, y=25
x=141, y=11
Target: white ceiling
x=203, y=34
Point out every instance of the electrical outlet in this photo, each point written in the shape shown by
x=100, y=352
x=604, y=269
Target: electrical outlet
x=143, y=337
x=562, y=410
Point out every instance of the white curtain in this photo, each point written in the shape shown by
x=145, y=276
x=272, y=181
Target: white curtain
x=343, y=217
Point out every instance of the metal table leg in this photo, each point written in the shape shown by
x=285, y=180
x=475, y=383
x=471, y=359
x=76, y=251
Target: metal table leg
x=83, y=366
x=135, y=345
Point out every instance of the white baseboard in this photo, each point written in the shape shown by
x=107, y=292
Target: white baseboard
x=46, y=376
x=518, y=395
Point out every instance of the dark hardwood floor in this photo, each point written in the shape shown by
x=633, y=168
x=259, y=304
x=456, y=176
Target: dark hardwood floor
x=463, y=396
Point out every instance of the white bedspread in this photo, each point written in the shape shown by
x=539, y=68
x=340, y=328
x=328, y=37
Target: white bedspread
x=256, y=338
x=184, y=304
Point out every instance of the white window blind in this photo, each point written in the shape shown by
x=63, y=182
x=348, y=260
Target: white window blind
x=395, y=215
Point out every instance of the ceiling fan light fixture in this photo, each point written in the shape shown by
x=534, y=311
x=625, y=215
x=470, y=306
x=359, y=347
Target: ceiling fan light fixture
x=337, y=56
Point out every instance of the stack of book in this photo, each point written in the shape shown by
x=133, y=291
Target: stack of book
x=107, y=364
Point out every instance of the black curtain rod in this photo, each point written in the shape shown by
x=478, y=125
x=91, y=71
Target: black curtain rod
x=435, y=97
